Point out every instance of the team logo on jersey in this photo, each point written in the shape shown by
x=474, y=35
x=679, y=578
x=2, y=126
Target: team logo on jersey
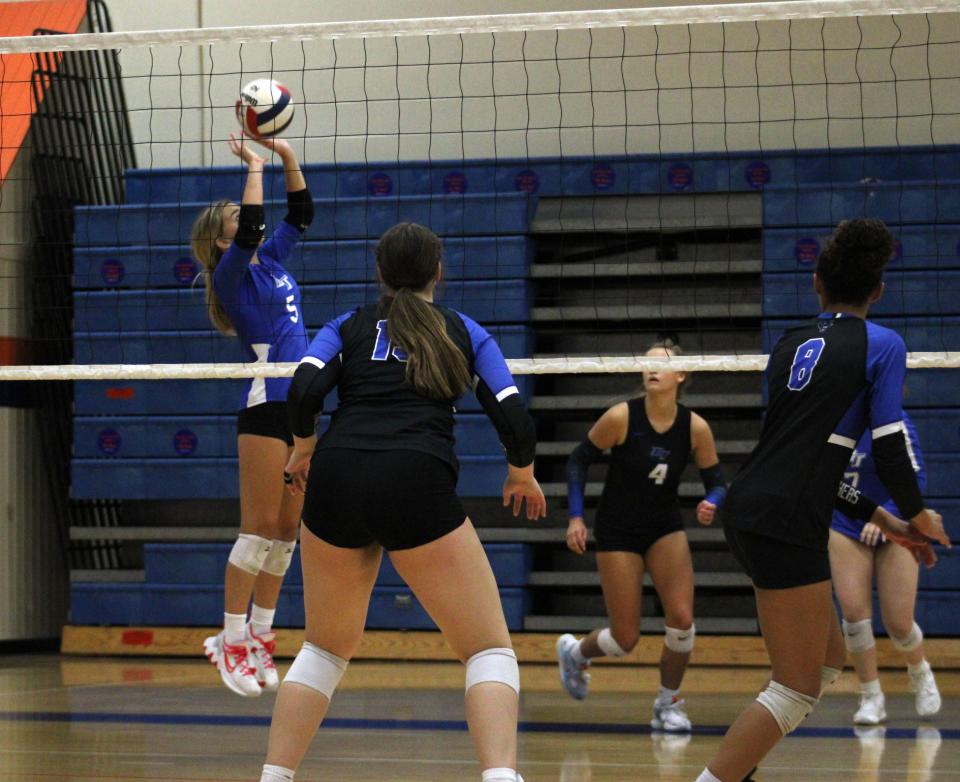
x=659, y=453
x=282, y=281
x=856, y=459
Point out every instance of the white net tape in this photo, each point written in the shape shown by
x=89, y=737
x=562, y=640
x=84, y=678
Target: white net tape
x=457, y=25
x=518, y=366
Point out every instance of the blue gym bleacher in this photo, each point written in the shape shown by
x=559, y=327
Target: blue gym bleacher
x=136, y=301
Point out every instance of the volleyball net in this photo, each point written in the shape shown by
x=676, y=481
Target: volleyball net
x=599, y=179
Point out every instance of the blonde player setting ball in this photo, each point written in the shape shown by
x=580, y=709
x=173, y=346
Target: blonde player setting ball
x=858, y=552
x=384, y=476
x=639, y=528
x=251, y=295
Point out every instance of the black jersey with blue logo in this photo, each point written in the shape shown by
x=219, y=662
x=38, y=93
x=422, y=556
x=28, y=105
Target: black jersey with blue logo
x=828, y=380
x=643, y=478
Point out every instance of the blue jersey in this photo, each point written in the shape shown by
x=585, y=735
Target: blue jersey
x=861, y=473
x=262, y=301
x=378, y=409
x=828, y=380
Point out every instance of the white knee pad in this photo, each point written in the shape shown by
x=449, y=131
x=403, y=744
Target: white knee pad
x=494, y=665
x=679, y=640
x=249, y=552
x=911, y=641
x=828, y=676
x=608, y=644
x=858, y=636
x=278, y=560
x=788, y=707
x=317, y=669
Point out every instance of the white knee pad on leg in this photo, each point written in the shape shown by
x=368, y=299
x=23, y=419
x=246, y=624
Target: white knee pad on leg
x=788, y=707
x=858, y=636
x=494, y=665
x=278, y=560
x=828, y=676
x=911, y=641
x=608, y=644
x=680, y=641
x=249, y=552
x=317, y=669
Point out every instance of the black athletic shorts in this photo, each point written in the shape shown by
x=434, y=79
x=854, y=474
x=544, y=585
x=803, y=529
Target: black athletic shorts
x=777, y=564
x=399, y=499
x=268, y=419
x=637, y=540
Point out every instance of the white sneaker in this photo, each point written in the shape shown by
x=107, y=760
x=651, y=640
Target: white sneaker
x=872, y=710
x=924, y=686
x=574, y=678
x=261, y=657
x=232, y=662
x=670, y=716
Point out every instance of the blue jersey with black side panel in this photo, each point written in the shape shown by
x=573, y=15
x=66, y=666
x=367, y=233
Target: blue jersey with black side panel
x=861, y=473
x=827, y=379
x=378, y=408
x=262, y=301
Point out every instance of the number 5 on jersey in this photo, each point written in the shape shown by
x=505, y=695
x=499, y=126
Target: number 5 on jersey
x=804, y=362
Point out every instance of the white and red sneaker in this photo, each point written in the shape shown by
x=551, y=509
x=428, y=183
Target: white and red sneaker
x=232, y=660
x=261, y=657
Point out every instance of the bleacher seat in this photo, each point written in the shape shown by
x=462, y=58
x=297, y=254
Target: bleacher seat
x=172, y=266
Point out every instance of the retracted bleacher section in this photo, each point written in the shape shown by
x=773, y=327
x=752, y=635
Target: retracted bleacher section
x=136, y=301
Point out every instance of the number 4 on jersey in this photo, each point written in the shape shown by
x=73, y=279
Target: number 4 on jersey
x=804, y=362
x=659, y=473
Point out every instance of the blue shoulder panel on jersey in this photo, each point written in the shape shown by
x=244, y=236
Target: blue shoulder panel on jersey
x=328, y=343
x=279, y=246
x=228, y=276
x=488, y=361
x=886, y=373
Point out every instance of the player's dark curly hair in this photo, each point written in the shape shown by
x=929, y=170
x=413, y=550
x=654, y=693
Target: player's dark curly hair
x=408, y=257
x=851, y=264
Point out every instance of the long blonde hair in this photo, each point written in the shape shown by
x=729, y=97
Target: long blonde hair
x=207, y=229
x=408, y=256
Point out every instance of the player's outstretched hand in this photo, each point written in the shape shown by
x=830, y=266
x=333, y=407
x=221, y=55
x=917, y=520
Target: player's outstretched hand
x=242, y=148
x=279, y=145
x=521, y=485
x=706, y=512
x=929, y=523
x=298, y=465
x=577, y=535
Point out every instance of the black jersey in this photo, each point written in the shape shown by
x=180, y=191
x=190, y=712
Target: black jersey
x=644, y=475
x=827, y=379
x=380, y=410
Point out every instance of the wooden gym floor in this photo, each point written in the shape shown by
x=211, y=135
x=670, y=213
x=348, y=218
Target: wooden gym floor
x=88, y=719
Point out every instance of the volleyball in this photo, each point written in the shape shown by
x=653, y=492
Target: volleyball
x=265, y=108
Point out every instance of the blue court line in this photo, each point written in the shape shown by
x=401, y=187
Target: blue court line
x=444, y=725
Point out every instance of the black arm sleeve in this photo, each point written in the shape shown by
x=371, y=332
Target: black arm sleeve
x=714, y=484
x=896, y=472
x=513, y=423
x=308, y=389
x=853, y=502
x=578, y=464
x=299, y=209
x=250, y=228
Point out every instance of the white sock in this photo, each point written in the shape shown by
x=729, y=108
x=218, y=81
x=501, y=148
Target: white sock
x=234, y=628
x=577, y=654
x=276, y=774
x=500, y=775
x=261, y=619
x=706, y=776
x=871, y=688
x=921, y=667
x=665, y=695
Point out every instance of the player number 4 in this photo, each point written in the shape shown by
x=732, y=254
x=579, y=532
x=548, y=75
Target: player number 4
x=659, y=473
